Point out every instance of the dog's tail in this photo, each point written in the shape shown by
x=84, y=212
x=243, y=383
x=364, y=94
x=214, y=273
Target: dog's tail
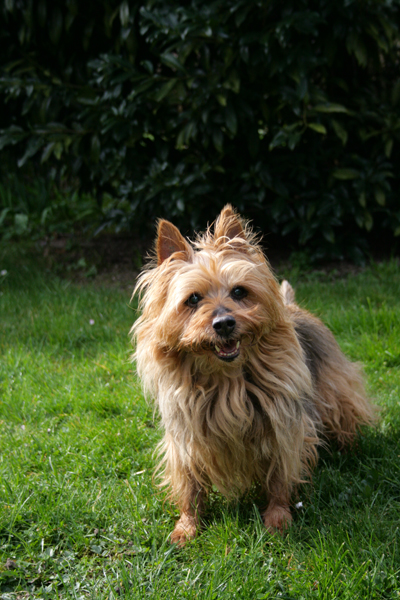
x=287, y=292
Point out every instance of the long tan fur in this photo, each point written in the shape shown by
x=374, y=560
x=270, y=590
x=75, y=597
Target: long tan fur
x=251, y=406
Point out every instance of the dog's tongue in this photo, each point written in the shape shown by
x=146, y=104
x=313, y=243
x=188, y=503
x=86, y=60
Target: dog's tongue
x=227, y=349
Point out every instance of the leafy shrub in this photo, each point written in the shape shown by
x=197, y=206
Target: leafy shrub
x=291, y=111
x=36, y=207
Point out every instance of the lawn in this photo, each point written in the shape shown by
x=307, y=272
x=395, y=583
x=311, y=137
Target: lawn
x=79, y=514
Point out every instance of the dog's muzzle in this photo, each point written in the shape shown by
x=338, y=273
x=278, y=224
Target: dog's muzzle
x=226, y=348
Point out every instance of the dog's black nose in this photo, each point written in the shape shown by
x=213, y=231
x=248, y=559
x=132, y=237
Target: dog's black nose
x=224, y=326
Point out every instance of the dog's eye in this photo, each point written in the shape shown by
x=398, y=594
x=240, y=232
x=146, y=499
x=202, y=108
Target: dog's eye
x=193, y=300
x=238, y=293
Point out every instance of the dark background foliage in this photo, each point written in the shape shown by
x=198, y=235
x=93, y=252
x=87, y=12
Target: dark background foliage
x=289, y=110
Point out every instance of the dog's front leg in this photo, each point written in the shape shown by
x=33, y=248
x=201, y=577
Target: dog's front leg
x=191, y=505
x=276, y=516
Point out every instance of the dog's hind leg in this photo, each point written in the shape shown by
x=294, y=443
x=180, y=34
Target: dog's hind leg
x=277, y=517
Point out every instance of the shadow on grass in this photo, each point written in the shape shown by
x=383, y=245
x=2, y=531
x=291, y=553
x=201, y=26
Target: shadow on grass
x=354, y=485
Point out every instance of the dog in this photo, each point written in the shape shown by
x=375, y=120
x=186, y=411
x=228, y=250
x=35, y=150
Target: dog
x=247, y=384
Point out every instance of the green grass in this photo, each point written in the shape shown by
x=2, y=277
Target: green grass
x=79, y=515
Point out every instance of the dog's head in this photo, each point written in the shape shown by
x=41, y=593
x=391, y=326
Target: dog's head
x=213, y=298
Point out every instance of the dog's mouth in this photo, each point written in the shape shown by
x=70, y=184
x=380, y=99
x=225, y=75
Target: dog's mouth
x=227, y=350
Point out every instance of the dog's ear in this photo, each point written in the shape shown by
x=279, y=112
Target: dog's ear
x=169, y=241
x=229, y=225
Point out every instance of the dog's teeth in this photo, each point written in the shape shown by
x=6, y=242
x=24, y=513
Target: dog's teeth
x=237, y=345
x=217, y=349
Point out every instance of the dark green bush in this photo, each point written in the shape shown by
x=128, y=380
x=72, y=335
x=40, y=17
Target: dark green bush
x=289, y=110
x=36, y=207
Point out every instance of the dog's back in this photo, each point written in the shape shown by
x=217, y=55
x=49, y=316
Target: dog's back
x=339, y=391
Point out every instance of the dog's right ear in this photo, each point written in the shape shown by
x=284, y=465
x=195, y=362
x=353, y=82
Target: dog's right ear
x=229, y=225
x=169, y=241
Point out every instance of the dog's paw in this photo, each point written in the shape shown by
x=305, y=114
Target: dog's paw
x=185, y=530
x=277, y=518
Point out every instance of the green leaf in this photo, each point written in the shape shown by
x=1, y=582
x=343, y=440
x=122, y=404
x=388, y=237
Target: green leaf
x=231, y=120
x=21, y=35
x=311, y=211
x=56, y=25
x=329, y=234
x=42, y=12
x=361, y=54
x=141, y=87
x=12, y=135
x=95, y=148
x=124, y=13
x=380, y=196
x=357, y=47
x=359, y=220
x=171, y=61
x=279, y=139
x=207, y=31
x=32, y=147
x=221, y=99
x=69, y=19
x=241, y=15
x=388, y=147
x=302, y=88
x=362, y=199
x=165, y=90
x=395, y=96
x=329, y=107
x=187, y=132
x=346, y=174
x=389, y=26
x=340, y=131
x=218, y=139
x=148, y=65
x=58, y=149
x=21, y=223
x=368, y=221
x=233, y=82
x=294, y=139
x=47, y=152
x=318, y=127
x=3, y=215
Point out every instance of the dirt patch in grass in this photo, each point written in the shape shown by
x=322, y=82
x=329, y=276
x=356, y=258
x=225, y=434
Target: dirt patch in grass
x=107, y=260
x=116, y=260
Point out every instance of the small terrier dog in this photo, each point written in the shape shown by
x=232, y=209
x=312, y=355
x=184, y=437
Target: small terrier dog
x=246, y=382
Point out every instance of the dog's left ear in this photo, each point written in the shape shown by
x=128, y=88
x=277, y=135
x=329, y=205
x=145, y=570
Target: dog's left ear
x=229, y=225
x=169, y=241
